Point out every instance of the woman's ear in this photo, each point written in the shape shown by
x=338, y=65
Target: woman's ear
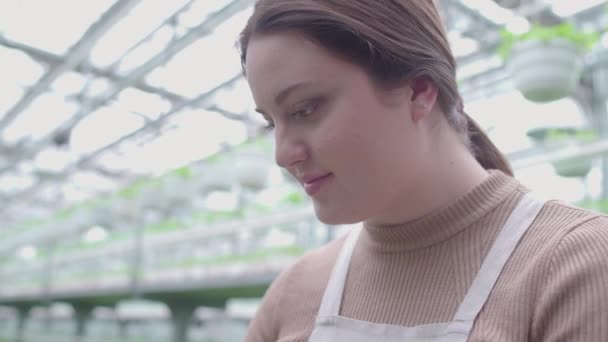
x=423, y=97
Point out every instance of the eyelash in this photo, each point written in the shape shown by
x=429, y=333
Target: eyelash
x=269, y=126
x=307, y=110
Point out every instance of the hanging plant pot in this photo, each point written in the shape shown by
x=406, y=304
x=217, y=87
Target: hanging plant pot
x=573, y=168
x=557, y=138
x=546, y=62
x=253, y=163
x=252, y=170
x=218, y=177
x=178, y=190
x=545, y=71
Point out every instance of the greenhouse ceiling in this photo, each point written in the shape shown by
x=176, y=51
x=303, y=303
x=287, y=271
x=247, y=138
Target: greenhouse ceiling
x=97, y=94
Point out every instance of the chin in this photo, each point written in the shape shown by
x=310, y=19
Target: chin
x=335, y=216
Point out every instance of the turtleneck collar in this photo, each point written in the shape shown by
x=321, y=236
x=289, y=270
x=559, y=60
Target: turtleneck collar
x=443, y=223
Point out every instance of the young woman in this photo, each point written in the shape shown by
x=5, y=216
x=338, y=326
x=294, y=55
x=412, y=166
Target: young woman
x=367, y=116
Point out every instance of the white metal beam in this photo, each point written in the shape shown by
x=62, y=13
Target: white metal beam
x=203, y=29
x=194, y=34
x=75, y=56
x=50, y=60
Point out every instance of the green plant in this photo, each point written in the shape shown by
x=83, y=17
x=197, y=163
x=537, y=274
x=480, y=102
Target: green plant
x=250, y=257
x=206, y=217
x=600, y=205
x=549, y=135
x=164, y=226
x=183, y=172
x=66, y=213
x=580, y=135
x=132, y=190
x=584, y=40
x=294, y=198
x=218, y=216
x=563, y=136
x=261, y=142
x=216, y=158
x=260, y=209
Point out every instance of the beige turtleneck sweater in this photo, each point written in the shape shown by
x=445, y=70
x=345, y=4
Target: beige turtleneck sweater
x=553, y=288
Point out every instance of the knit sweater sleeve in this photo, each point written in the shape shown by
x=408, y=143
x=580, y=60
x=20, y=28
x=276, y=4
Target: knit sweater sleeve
x=264, y=326
x=573, y=302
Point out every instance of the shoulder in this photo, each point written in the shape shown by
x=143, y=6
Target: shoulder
x=589, y=236
x=576, y=232
x=291, y=303
x=558, y=225
x=572, y=302
x=554, y=229
x=560, y=219
x=317, y=262
x=301, y=286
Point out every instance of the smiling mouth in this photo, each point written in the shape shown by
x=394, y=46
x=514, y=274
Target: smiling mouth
x=314, y=186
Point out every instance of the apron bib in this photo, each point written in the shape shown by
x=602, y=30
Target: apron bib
x=331, y=327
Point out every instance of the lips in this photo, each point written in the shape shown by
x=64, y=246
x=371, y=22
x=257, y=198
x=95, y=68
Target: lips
x=313, y=183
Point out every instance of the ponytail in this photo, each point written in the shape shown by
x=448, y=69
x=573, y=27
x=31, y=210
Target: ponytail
x=484, y=150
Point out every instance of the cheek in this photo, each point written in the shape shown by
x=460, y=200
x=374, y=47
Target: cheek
x=372, y=147
x=342, y=134
x=352, y=142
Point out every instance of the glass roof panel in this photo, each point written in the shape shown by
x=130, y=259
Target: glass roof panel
x=52, y=159
x=236, y=99
x=565, y=8
x=141, y=20
x=11, y=93
x=91, y=182
x=188, y=136
x=44, y=115
x=53, y=26
x=102, y=127
x=142, y=53
x=198, y=11
x=18, y=67
x=204, y=64
x=140, y=102
x=70, y=83
x=490, y=9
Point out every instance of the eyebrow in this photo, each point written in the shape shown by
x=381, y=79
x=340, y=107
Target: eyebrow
x=283, y=94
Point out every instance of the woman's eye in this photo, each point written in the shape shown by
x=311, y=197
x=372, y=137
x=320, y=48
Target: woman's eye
x=269, y=126
x=300, y=112
x=305, y=111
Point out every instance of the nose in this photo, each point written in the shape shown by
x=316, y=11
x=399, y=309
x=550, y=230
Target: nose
x=289, y=150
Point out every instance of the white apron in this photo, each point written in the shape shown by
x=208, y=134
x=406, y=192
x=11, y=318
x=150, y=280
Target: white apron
x=331, y=327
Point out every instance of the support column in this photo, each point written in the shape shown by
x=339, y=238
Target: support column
x=82, y=314
x=48, y=319
x=123, y=329
x=23, y=312
x=599, y=72
x=181, y=316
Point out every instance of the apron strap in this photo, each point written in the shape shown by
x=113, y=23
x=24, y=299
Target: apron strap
x=332, y=298
x=517, y=224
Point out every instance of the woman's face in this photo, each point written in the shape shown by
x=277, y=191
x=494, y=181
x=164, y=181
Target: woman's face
x=356, y=149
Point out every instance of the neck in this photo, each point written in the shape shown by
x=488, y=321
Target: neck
x=440, y=225
x=450, y=172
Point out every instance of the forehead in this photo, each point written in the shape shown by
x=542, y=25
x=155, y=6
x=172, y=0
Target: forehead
x=275, y=61
x=278, y=51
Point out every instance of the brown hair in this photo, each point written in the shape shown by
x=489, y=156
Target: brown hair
x=394, y=40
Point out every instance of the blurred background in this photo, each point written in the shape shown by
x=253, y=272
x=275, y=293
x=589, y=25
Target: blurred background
x=139, y=200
